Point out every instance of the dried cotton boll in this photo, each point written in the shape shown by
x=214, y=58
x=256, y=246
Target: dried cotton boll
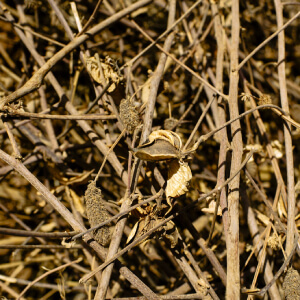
x=162, y=145
x=167, y=135
x=291, y=285
x=97, y=213
x=179, y=175
x=129, y=115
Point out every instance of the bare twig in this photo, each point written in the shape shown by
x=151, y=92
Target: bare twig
x=16, y=113
x=287, y=132
x=39, y=247
x=232, y=239
x=19, y=232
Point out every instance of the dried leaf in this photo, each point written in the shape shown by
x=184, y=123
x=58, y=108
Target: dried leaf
x=133, y=232
x=179, y=175
x=281, y=208
x=171, y=233
x=110, y=71
x=172, y=137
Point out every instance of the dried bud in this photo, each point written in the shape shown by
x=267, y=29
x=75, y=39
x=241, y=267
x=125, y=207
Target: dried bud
x=129, y=115
x=97, y=213
x=291, y=285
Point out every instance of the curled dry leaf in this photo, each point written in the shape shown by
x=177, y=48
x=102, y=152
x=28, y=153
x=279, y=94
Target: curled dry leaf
x=111, y=72
x=170, y=232
x=179, y=175
x=133, y=232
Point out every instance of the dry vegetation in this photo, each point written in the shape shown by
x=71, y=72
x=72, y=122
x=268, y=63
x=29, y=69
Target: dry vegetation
x=201, y=211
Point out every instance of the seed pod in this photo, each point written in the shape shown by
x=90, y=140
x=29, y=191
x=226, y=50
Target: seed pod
x=97, y=213
x=167, y=135
x=129, y=115
x=179, y=175
x=162, y=145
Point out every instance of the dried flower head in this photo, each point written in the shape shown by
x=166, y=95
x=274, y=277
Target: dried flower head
x=264, y=99
x=97, y=213
x=129, y=115
x=246, y=97
x=274, y=242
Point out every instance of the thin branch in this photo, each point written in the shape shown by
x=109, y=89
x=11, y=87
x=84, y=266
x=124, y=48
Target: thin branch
x=54, y=235
x=40, y=247
x=15, y=113
x=232, y=238
x=291, y=201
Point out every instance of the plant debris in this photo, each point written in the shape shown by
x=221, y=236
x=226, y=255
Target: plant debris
x=175, y=123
